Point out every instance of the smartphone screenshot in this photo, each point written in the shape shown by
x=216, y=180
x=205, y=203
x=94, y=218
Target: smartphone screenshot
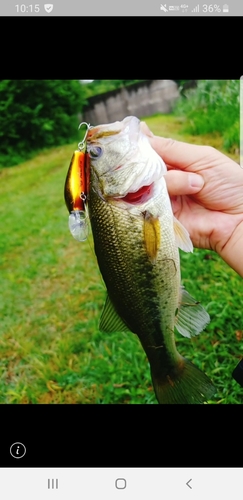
x=121, y=231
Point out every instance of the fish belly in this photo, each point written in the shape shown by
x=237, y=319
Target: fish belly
x=144, y=292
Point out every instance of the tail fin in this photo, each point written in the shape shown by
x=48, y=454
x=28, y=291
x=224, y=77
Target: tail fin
x=187, y=385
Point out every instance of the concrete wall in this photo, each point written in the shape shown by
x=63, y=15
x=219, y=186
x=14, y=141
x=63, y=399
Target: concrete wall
x=140, y=99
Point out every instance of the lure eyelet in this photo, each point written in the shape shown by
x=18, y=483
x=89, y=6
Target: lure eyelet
x=82, y=144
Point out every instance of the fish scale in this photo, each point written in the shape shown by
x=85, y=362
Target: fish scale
x=136, y=241
x=136, y=287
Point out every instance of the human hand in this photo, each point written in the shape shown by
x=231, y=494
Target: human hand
x=212, y=210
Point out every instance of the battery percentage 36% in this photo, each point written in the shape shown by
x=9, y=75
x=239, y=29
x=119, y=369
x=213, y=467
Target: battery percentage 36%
x=211, y=8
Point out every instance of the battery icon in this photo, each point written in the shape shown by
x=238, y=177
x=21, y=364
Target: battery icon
x=225, y=8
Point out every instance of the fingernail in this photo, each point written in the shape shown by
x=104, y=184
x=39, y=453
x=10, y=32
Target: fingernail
x=196, y=181
x=146, y=130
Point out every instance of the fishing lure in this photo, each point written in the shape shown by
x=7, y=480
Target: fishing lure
x=76, y=190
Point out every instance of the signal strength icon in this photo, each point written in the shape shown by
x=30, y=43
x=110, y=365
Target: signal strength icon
x=196, y=9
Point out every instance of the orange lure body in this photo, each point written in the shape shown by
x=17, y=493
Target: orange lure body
x=75, y=190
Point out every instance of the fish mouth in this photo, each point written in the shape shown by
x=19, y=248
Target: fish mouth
x=94, y=135
x=102, y=131
x=140, y=196
x=127, y=168
x=110, y=129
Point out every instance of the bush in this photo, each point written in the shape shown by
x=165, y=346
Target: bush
x=214, y=106
x=37, y=114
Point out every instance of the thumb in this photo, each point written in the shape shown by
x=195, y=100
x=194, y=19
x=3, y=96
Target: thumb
x=182, y=183
x=145, y=129
x=180, y=155
x=177, y=155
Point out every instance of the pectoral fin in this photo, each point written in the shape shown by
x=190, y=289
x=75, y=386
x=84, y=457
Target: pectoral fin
x=151, y=235
x=110, y=320
x=182, y=237
x=191, y=317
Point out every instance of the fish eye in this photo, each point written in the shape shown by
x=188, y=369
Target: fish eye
x=95, y=152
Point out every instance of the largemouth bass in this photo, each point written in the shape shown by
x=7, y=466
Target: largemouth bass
x=136, y=241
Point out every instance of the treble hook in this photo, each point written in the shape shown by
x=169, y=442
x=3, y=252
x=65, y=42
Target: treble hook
x=81, y=144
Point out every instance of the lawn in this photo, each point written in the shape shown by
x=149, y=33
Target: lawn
x=51, y=350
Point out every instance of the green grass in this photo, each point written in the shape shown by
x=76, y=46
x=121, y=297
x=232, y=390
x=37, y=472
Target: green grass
x=213, y=106
x=174, y=127
x=52, y=295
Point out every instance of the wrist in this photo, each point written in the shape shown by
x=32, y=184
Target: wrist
x=232, y=252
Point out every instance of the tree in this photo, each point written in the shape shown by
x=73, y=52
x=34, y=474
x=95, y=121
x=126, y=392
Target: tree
x=37, y=114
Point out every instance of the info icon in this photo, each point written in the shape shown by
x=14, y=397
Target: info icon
x=17, y=450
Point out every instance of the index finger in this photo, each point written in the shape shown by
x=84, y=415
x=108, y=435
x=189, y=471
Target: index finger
x=181, y=155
